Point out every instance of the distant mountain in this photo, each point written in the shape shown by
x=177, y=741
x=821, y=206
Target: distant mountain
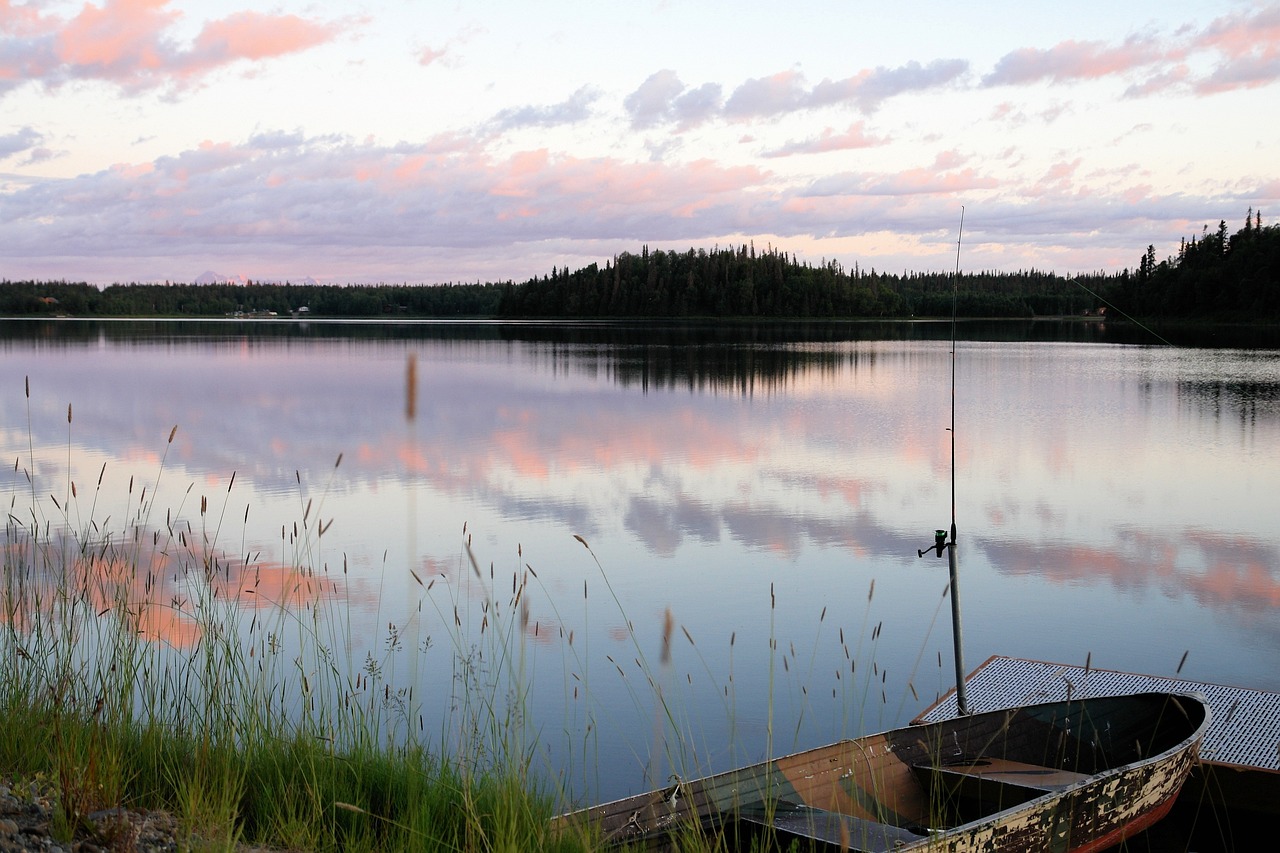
x=211, y=277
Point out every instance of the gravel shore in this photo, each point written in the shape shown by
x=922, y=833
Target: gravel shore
x=26, y=820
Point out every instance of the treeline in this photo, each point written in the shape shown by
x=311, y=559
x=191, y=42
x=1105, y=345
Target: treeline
x=218, y=300
x=741, y=282
x=1215, y=275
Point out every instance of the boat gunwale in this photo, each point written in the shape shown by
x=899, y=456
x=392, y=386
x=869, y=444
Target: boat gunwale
x=700, y=815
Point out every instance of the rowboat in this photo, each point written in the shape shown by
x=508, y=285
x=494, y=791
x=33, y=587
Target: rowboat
x=1075, y=776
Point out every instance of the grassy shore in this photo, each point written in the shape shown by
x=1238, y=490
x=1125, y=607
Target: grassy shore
x=144, y=666
x=141, y=667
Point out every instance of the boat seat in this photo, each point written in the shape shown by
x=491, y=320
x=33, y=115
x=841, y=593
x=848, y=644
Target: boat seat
x=1006, y=772
x=790, y=819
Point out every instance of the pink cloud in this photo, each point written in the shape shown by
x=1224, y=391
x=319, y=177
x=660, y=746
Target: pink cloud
x=254, y=36
x=448, y=209
x=951, y=159
x=785, y=92
x=120, y=38
x=428, y=56
x=1071, y=60
x=1058, y=178
x=130, y=43
x=933, y=180
x=1243, y=35
x=21, y=20
x=1005, y=110
x=856, y=136
x=1244, y=49
x=1249, y=45
x=1175, y=77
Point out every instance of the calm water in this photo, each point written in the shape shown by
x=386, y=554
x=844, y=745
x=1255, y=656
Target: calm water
x=1115, y=500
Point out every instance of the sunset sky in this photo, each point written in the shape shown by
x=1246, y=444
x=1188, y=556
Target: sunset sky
x=418, y=141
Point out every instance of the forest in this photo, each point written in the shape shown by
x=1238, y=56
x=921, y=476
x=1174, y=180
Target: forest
x=1216, y=275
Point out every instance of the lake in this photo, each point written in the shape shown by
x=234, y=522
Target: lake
x=712, y=531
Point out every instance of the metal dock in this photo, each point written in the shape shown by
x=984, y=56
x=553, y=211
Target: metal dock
x=1243, y=736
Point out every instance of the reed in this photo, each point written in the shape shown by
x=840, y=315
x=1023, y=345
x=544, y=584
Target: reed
x=146, y=664
x=143, y=666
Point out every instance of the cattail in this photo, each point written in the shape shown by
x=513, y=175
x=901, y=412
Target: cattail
x=668, y=624
x=411, y=387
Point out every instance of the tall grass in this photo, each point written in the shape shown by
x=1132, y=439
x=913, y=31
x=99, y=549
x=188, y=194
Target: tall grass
x=142, y=665
x=146, y=663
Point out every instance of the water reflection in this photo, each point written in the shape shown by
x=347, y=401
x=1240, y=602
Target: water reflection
x=745, y=478
x=159, y=589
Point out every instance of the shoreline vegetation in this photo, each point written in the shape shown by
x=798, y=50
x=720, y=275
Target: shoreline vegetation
x=1216, y=276
x=158, y=693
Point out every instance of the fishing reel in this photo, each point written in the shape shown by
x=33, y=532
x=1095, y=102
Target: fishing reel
x=939, y=545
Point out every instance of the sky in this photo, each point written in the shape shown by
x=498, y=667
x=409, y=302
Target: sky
x=491, y=140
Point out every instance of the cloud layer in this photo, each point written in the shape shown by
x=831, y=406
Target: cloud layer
x=1080, y=161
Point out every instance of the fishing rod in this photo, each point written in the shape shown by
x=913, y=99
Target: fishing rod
x=940, y=542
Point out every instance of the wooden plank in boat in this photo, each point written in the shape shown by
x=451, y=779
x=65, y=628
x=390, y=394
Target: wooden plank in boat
x=842, y=831
x=1011, y=773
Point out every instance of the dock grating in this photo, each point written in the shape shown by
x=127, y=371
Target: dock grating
x=1244, y=731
